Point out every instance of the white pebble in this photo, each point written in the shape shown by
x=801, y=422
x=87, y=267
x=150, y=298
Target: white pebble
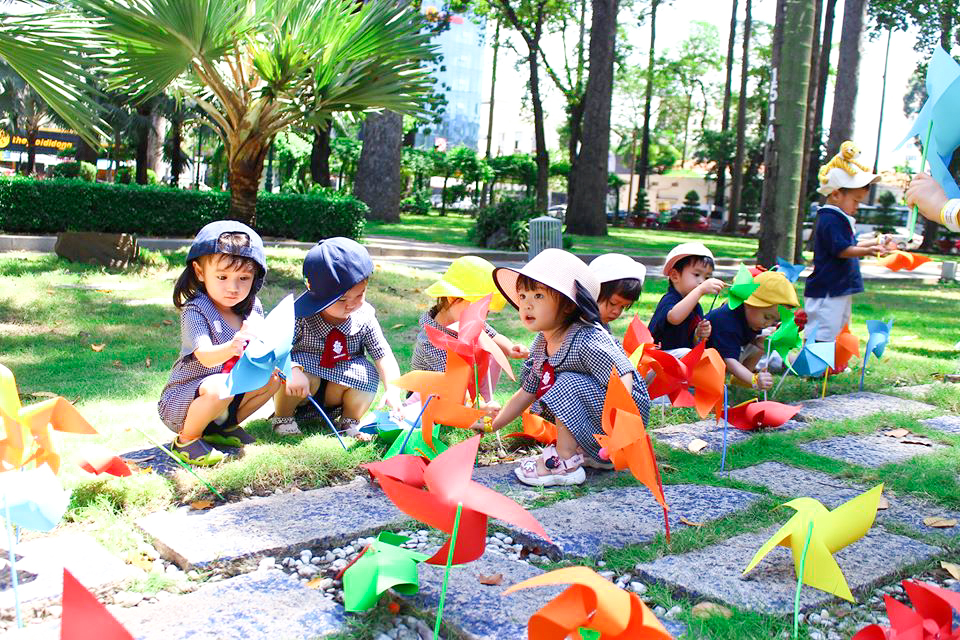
x=638, y=587
x=673, y=612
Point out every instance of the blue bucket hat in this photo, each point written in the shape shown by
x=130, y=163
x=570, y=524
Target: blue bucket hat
x=207, y=243
x=331, y=268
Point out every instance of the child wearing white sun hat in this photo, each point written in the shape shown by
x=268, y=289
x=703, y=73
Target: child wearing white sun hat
x=621, y=283
x=571, y=358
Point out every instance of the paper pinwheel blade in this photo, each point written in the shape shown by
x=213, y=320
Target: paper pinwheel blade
x=97, y=459
x=263, y=355
x=930, y=619
x=847, y=347
x=792, y=271
x=636, y=336
x=742, y=288
x=879, y=336
x=540, y=429
x=754, y=414
x=35, y=498
x=787, y=336
x=815, y=358
x=414, y=445
x=897, y=260
x=86, y=617
x=383, y=565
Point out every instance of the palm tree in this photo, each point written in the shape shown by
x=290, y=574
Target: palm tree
x=22, y=110
x=256, y=67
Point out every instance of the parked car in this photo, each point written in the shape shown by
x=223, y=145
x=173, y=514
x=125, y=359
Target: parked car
x=903, y=241
x=558, y=211
x=689, y=221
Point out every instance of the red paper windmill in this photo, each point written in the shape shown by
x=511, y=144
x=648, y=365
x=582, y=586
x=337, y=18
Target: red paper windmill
x=753, y=414
x=540, y=429
x=447, y=479
x=98, y=459
x=703, y=369
x=930, y=619
x=638, y=343
x=84, y=616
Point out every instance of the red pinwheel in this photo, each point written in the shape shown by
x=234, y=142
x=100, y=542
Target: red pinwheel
x=540, y=429
x=930, y=619
x=637, y=335
x=448, y=483
x=703, y=369
x=753, y=414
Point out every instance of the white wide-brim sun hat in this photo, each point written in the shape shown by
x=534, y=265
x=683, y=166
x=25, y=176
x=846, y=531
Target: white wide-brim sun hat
x=555, y=268
x=838, y=178
x=685, y=250
x=617, y=266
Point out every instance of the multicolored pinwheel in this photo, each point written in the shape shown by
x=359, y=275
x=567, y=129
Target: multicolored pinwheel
x=591, y=602
x=754, y=414
x=876, y=342
x=382, y=565
x=897, y=260
x=97, y=459
x=702, y=369
x=930, y=619
x=637, y=339
x=742, y=288
x=540, y=429
x=269, y=351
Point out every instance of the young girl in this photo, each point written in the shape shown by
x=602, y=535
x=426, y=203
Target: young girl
x=621, y=283
x=335, y=328
x=570, y=363
x=466, y=280
x=217, y=298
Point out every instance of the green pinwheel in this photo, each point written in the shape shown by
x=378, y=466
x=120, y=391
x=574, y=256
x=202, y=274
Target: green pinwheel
x=742, y=288
x=381, y=566
x=787, y=336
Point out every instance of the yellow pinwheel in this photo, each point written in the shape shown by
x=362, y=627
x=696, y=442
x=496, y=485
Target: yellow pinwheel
x=832, y=531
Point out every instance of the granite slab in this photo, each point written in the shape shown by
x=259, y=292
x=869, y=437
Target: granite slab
x=679, y=436
x=791, y=482
x=716, y=572
x=858, y=405
x=946, y=424
x=501, y=478
x=271, y=525
x=616, y=518
x=872, y=450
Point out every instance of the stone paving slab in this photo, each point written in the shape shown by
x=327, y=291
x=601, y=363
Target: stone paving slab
x=615, y=518
x=679, y=436
x=40, y=564
x=872, y=450
x=792, y=482
x=947, y=424
x=715, y=572
x=501, y=478
x=270, y=525
x=858, y=405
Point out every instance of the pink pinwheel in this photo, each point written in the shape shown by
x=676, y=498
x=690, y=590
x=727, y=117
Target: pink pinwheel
x=930, y=619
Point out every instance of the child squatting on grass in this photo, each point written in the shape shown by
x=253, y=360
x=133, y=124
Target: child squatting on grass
x=335, y=329
x=621, y=283
x=565, y=379
x=219, y=308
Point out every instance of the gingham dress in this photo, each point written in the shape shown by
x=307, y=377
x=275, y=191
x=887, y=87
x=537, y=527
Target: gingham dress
x=582, y=367
x=363, y=334
x=199, y=319
x=427, y=357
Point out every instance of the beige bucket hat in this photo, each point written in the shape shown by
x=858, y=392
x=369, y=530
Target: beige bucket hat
x=617, y=266
x=555, y=268
x=685, y=250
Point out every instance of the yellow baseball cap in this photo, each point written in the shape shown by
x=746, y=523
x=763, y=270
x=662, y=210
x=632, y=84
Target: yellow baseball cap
x=470, y=278
x=773, y=289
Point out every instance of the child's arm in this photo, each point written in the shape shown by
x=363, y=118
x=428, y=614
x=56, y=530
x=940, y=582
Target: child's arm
x=389, y=370
x=510, y=348
x=516, y=405
x=859, y=251
x=211, y=355
x=761, y=381
x=685, y=307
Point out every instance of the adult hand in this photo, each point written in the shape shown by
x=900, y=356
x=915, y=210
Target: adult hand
x=927, y=195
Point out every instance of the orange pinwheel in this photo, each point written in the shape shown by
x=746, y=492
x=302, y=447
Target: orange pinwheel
x=29, y=430
x=703, y=369
x=896, y=260
x=540, y=429
x=591, y=602
x=848, y=346
x=753, y=414
x=447, y=479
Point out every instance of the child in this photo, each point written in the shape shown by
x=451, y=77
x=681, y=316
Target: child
x=621, y=283
x=735, y=329
x=828, y=294
x=217, y=297
x=677, y=323
x=566, y=376
x=334, y=327
x=466, y=280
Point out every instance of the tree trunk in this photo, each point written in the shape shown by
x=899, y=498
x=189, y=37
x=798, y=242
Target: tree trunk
x=31, y=150
x=486, y=197
x=848, y=70
x=543, y=160
x=378, y=181
x=176, y=162
x=575, y=121
x=808, y=133
x=149, y=145
x=320, y=157
x=586, y=212
x=86, y=153
x=737, y=187
x=245, y=166
x=823, y=75
x=645, y=138
x=720, y=196
x=771, y=160
x=443, y=197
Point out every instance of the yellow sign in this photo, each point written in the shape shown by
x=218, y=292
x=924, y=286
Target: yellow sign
x=4, y=139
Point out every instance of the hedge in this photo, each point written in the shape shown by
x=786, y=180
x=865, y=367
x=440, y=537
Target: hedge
x=28, y=205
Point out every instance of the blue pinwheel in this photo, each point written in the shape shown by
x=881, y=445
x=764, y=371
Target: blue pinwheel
x=792, y=271
x=265, y=354
x=815, y=357
x=876, y=343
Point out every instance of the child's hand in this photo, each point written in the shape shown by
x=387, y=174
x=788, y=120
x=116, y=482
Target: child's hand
x=711, y=285
x=236, y=346
x=518, y=351
x=298, y=385
x=764, y=381
x=876, y=250
x=703, y=330
x=491, y=408
x=393, y=399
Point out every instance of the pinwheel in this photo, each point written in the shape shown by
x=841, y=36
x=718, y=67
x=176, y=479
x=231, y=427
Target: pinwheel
x=97, y=459
x=753, y=414
x=636, y=340
x=540, y=429
x=814, y=359
x=848, y=346
x=792, y=271
x=897, y=260
x=742, y=288
x=831, y=532
x=787, y=336
x=930, y=619
x=86, y=617
x=382, y=565
x=876, y=343
x=703, y=369
x=268, y=352
x=756, y=270
x=591, y=602
x=29, y=435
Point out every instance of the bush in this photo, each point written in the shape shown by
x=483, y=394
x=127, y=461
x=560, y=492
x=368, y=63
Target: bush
x=128, y=175
x=82, y=170
x=417, y=202
x=50, y=206
x=504, y=226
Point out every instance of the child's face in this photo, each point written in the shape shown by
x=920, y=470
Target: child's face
x=848, y=200
x=759, y=318
x=539, y=309
x=347, y=304
x=611, y=308
x=690, y=278
x=225, y=284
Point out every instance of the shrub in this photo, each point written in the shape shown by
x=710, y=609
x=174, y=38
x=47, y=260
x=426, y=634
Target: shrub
x=128, y=175
x=82, y=170
x=50, y=206
x=417, y=202
x=506, y=225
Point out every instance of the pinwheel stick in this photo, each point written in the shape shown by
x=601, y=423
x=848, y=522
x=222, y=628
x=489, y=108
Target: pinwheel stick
x=826, y=374
x=796, y=598
x=863, y=369
x=723, y=456
x=323, y=414
x=912, y=218
x=784, y=376
x=716, y=295
x=13, y=566
x=180, y=462
x=766, y=362
x=446, y=573
x=406, y=438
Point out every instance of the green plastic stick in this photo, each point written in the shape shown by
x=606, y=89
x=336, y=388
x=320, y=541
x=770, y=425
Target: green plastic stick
x=912, y=218
x=796, y=598
x=181, y=463
x=446, y=573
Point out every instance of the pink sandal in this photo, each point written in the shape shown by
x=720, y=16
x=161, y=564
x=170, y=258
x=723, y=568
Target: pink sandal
x=561, y=472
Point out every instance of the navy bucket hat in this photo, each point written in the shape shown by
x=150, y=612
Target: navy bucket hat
x=331, y=268
x=208, y=243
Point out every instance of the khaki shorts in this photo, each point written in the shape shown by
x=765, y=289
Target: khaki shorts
x=829, y=314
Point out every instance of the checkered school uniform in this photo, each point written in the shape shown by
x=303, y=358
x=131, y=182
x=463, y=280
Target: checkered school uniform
x=199, y=319
x=582, y=368
x=363, y=335
x=427, y=357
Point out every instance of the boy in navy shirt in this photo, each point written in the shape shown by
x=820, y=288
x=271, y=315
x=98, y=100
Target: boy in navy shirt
x=828, y=295
x=677, y=323
x=735, y=329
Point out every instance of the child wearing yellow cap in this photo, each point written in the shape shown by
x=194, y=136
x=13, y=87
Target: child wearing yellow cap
x=736, y=331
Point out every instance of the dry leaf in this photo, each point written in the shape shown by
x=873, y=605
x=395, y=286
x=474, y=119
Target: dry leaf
x=399, y=325
x=666, y=468
x=925, y=443
x=167, y=321
x=697, y=445
x=709, y=609
x=952, y=569
x=104, y=290
x=41, y=394
x=416, y=290
x=117, y=364
x=896, y=433
x=939, y=522
x=491, y=580
x=98, y=347
x=883, y=504
x=690, y=523
x=149, y=361
x=200, y=505
x=140, y=561
x=315, y=582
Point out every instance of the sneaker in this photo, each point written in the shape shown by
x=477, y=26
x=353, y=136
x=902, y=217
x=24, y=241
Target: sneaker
x=234, y=436
x=197, y=453
x=285, y=426
x=562, y=472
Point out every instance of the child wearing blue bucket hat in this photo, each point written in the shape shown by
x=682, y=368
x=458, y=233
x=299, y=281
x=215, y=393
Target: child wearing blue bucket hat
x=335, y=338
x=217, y=298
